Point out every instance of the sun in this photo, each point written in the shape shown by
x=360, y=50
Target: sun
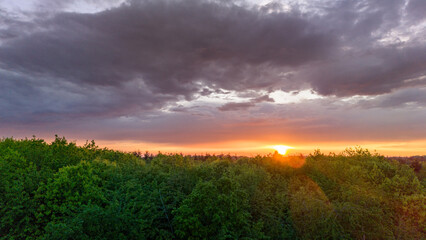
x=281, y=149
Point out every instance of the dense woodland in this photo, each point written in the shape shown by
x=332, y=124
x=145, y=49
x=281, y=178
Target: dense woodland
x=61, y=191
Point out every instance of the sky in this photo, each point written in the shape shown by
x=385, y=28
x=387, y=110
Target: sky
x=216, y=76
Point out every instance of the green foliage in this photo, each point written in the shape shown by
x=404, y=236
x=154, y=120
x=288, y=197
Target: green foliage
x=368, y=193
x=59, y=190
x=70, y=188
x=19, y=179
x=312, y=212
x=216, y=209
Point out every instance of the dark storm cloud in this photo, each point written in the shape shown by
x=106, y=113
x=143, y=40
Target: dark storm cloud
x=166, y=44
x=144, y=55
x=32, y=100
x=172, y=48
x=13, y=26
x=363, y=63
x=370, y=71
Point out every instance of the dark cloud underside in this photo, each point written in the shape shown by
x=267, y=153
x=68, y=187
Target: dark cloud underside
x=169, y=48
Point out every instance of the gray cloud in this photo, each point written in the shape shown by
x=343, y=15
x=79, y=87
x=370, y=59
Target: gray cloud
x=411, y=97
x=130, y=61
x=370, y=71
x=370, y=58
x=167, y=44
x=43, y=5
x=31, y=100
x=416, y=10
x=170, y=45
x=233, y=106
x=172, y=48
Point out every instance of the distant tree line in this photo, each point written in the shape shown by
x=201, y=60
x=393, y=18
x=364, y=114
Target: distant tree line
x=62, y=191
x=417, y=163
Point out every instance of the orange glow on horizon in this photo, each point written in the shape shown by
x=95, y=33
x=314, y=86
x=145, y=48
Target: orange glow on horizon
x=253, y=148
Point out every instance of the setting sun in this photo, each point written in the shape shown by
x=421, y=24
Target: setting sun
x=281, y=149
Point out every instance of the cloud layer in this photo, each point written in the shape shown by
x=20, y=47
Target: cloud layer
x=136, y=59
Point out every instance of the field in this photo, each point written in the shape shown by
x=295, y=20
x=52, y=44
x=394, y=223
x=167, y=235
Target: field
x=61, y=191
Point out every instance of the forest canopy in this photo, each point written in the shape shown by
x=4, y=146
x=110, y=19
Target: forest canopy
x=60, y=190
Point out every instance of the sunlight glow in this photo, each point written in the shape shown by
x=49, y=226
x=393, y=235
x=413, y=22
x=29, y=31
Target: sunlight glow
x=282, y=149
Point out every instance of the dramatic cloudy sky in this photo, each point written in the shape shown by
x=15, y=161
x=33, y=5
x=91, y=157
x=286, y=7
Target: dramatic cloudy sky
x=216, y=76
